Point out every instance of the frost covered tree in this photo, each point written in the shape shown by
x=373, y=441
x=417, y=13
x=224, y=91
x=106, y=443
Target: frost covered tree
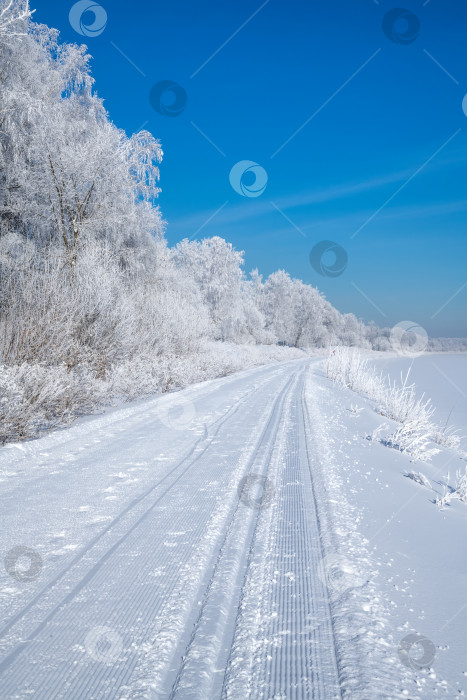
x=13, y=17
x=216, y=268
x=352, y=331
x=68, y=172
x=297, y=313
x=93, y=302
x=79, y=227
x=279, y=299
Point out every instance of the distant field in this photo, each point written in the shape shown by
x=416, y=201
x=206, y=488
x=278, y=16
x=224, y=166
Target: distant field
x=443, y=378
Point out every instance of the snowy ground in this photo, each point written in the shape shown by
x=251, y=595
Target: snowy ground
x=419, y=550
x=443, y=378
x=149, y=567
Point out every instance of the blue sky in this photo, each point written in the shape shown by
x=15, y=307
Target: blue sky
x=379, y=165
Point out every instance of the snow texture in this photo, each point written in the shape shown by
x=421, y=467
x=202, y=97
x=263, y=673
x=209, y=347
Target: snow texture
x=141, y=562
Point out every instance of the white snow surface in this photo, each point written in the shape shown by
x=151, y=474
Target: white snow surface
x=441, y=376
x=137, y=567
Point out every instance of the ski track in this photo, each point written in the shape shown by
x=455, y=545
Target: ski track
x=200, y=596
x=294, y=654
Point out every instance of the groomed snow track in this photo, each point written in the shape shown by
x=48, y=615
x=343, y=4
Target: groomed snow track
x=182, y=590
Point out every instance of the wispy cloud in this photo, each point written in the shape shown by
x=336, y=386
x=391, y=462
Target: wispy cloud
x=251, y=211
x=258, y=208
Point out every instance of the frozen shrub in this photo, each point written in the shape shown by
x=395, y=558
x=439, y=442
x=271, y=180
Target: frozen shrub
x=349, y=368
x=413, y=438
x=447, y=437
x=419, y=478
x=397, y=401
x=35, y=397
x=460, y=490
x=457, y=492
x=400, y=403
x=38, y=397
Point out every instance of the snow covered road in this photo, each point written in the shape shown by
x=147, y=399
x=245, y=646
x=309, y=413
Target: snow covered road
x=179, y=548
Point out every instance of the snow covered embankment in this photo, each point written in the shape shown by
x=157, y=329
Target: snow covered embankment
x=412, y=542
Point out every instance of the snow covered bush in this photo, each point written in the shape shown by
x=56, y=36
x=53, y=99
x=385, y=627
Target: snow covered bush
x=400, y=403
x=413, y=437
x=36, y=397
x=419, y=478
x=397, y=401
x=457, y=492
x=349, y=368
x=460, y=489
x=446, y=437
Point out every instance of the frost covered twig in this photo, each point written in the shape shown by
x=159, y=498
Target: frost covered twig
x=12, y=14
x=395, y=400
x=355, y=410
x=419, y=478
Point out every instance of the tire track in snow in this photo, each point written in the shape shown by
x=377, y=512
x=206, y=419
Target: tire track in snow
x=207, y=653
x=97, y=679
x=178, y=633
x=201, y=444
x=130, y=415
